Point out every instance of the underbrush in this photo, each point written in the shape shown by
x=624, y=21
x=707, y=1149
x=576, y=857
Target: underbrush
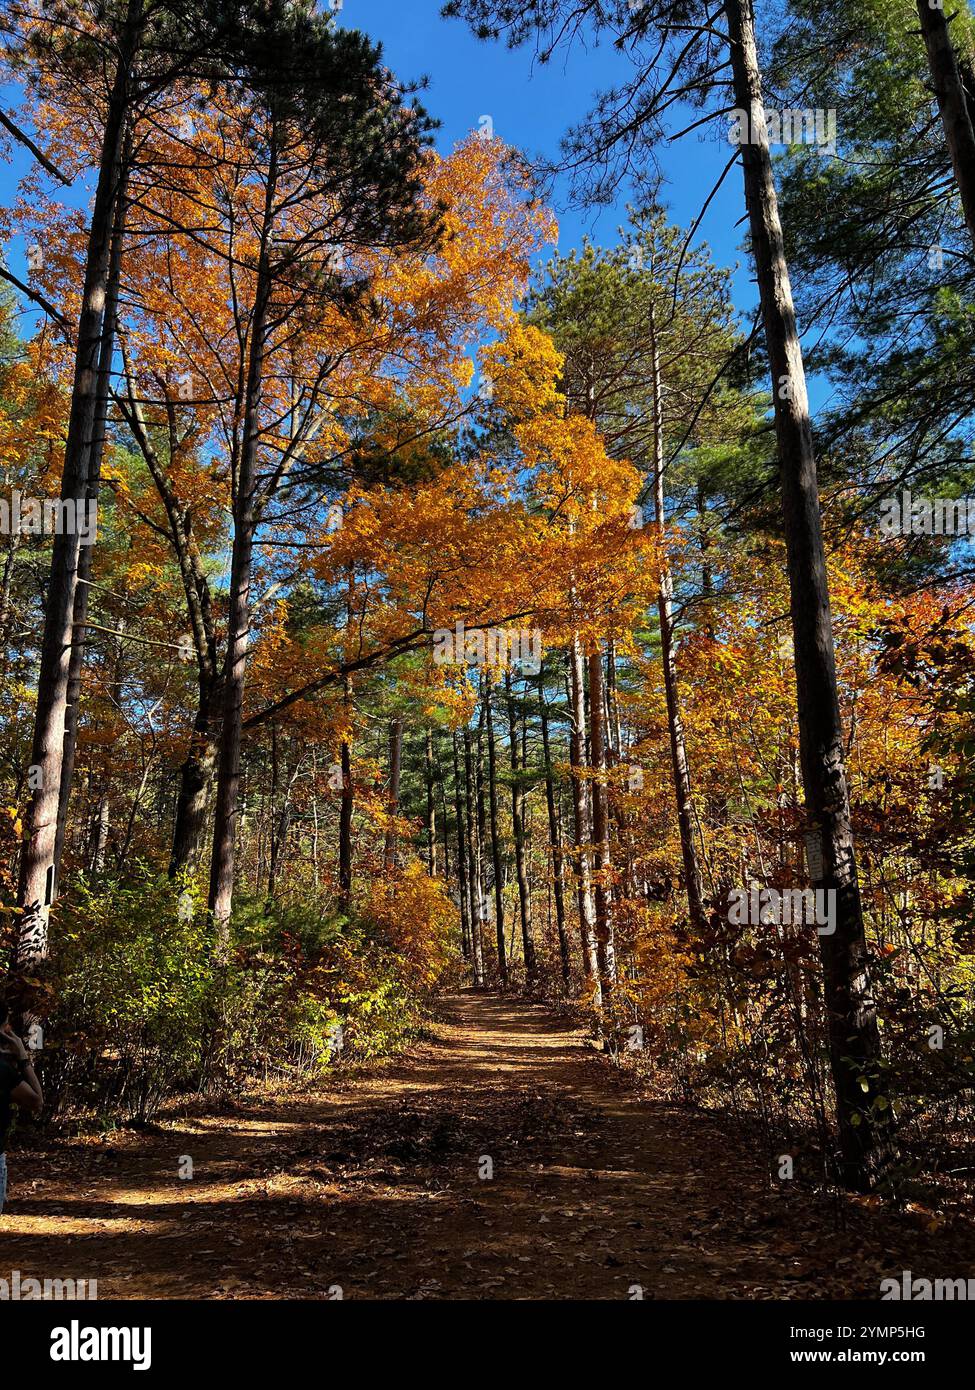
x=736, y=1025
x=141, y=1002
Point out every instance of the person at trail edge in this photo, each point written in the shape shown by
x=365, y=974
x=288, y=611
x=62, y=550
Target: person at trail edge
x=18, y=1086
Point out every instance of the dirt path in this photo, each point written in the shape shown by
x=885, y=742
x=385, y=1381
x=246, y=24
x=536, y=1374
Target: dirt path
x=373, y=1185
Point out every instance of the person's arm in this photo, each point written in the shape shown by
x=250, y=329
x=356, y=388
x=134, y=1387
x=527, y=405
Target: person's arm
x=27, y=1093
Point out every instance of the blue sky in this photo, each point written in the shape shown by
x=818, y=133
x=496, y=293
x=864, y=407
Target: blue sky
x=531, y=106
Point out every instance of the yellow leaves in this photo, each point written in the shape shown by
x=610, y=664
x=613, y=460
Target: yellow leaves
x=276, y=660
x=117, y=478
x=494, y=226
x=447, y=549
x=143, y=572
x=593, y=565
x=524, y=367
x=417, y=919
x=32, y=423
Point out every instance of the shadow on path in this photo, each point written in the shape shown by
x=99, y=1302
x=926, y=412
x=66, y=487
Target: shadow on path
x=503, y=1159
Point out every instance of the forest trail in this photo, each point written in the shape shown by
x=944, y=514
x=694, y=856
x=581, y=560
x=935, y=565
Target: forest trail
x=372, y=1184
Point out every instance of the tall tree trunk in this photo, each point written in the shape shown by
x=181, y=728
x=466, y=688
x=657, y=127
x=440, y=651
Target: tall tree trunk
x=854, y=1037
x=5, y=585
x=605, y=946
x=347, y=808
x=481, y=821
x=678, y=746
x=280, y=821
x=197, y=772
x=279, y=843
x=462, y=885
x=79, y=630
x=431, y=807
x=239, y=616
x=555, y=839
x=614, y=723
x=99, y=839
x=583, y=831
x=196, y=783
x=518, y=831
x=314, y=816
x=445, y=821
x=495, y=841
x=37, y=878
x=949, y=91
x=474, y=881
x=395, y=769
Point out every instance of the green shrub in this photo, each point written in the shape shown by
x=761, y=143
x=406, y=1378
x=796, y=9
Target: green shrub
x=131, y=986
x=141, y=1006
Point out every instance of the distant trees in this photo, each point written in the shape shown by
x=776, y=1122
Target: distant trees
x=646, y=333
x=617, y=137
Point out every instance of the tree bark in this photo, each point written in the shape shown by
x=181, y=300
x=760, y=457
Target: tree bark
x=79, y=631
x=279, y=841
x=238, y=634
x=518, y=831
x=583, y=833
x=395, y=769
x=462, y=885
x=431, y=808
x=495, y=841
x=555, y=839
x=347, y=808
x=854, y=1038
x=481, y=823
x=196, y=784
x=605, y=944
x=280, y=820
x=99, y=838
x=949, y=91
x=5, y=586
x=444, y=820
x=475, y=886
x=678, y=746
x=37, y=878
x=614, y=723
